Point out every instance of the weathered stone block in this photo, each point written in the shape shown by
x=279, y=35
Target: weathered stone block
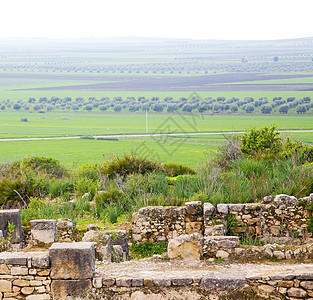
x=194, y=208
x=103, y=244
x=126, y=282
x=235, y=208
x=14, y=217
x=108, y=282
x=14, y=258
x=221, y=242
x=5, y=286
x=117, y=253
x=137, y=282
x=188, y=247
x=193, y=227
x=97, y=282
x=214, y=230
x=308, y=285
x=208, y=210
x=43, y=231
x=38, y=297
x=61, y=289
x=4, y=270
x=296, y=293
x=119, y=237
x=21, y=282
x=162, y=282
x=64, y=225
x=222, y=284
x=72, y=260
x=19, y=271
x=222, y=208
x=40, y=260
x=148, y=282
x=222, y=254
x=181, y=281
x=27, y=290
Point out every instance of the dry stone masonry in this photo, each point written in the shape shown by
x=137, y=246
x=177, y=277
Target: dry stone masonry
x=283, y=219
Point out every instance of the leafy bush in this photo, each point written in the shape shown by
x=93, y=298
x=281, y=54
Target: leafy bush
x=263, y=143
x=129, y=164
x=143, y=250
x=47, y=165
x=172, y=169
x=88, y=170
x=84, y=185
x=60, y=187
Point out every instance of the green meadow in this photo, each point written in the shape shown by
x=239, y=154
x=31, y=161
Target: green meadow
x=56, y=124
x=187, y=149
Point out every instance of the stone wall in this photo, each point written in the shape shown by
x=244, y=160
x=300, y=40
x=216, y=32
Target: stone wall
x=158, y=223
x=284, y=286
x=65, y=270
x=25, y=275
x=283, y=219
x=275, y=286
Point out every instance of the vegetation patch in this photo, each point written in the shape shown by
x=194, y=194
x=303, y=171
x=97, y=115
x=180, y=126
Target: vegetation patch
x=142, y=250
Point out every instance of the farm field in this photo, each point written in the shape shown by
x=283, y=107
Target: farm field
x=188, y=149
x=140, y=67
x=56, y=124
x=184, y=150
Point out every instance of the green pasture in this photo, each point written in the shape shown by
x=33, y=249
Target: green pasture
x=185, y=150
x=55, y=124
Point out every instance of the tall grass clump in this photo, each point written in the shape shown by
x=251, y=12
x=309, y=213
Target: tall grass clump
x=256, y=164
x=129, y=164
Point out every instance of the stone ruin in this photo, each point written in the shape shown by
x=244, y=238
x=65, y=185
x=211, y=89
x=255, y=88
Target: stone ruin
x=64, y=269
x=214, y=232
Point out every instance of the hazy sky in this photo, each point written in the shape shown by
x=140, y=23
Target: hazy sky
x=198, y=19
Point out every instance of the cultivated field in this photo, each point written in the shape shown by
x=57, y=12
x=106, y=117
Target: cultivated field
x=104, y=69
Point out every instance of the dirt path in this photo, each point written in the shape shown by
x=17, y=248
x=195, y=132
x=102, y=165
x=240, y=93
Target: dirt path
x=151, y=268
x=140, y=135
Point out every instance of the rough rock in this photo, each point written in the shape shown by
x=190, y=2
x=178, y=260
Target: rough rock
x=117, y=253
x=43, y=231
x=296, y=293
x=194, y=208
x=221, y=283
x=119, y=237
x=221, y=242
x=214, y=230
x=61, y=289
x=103, y=244
x=187, y=247
x=14, y=217
x=222, y=208
x=208, y=210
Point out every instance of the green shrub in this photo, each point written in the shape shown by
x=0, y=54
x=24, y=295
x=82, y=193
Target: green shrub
x=88, y=170
x=60, y=187
x=129, y=164
x=84, y=185
x=143, y=250
x=263, y=143
x=111, y=195
x=185, y=186
x=43, y=209
x=158, y=183
x=137, y=185
x=46, y=165
x=173, y=169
